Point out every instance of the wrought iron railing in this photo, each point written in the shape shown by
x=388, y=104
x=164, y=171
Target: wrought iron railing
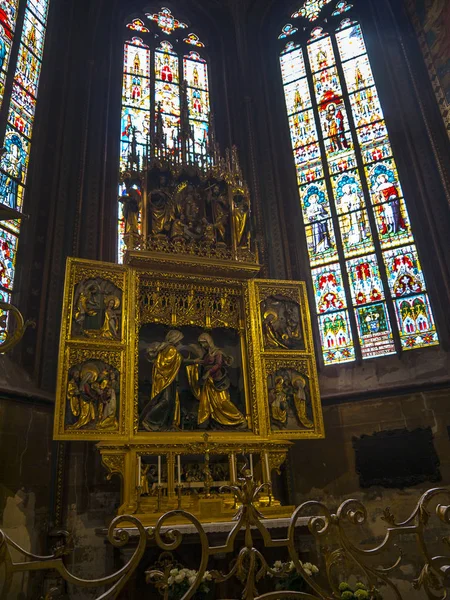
x=334, y=532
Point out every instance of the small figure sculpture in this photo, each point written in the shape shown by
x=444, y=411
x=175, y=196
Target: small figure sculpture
x=240, y=220
x=131, y=202
x=161, y=208
x=277, y=401
x=111, y=323
x=299, y=385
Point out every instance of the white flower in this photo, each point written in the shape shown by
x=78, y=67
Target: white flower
x=180, y=577
x=291, y=566
x=173, y=572
x=314, y=569
x=307, y=571
x=207, y=576
x=171, y=580
x=278, y=564
x=191, y=579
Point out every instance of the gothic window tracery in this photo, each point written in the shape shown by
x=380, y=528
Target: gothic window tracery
x=165, y=96
x=22, y=35
x=370, y=290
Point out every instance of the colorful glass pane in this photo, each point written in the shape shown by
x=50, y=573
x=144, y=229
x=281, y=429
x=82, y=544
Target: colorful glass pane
x=167, y=97
x=310, y=9
x=336, y=339
x=166, y=67
x=287, y=30
x=33, y=33
x=374, y=329
x=137, y=25
x=366, y=107
x=171, y=127
x=28, y=70
x=19, y=119
x=135, y=123
x=196, y=71
x=365, y=281
x=193, y=40
x=382, y=178
x=8, y=246
x=297, y=96
x=341, y=7
x=137, y=58
x=24, y=100
x=315, y=205
x=321, y=242
x=198, y=103
x=355, y=233
x=404, y=271
x=321, y=54
x=200, y=135
x=376, y=150
x=358, y=74
x=328, y=288
x=393, y=224
x=39, y=8
x=166, y=21
x=13, y=166
x=350, y=206
x=368, y=134
x=350, y=42
x=136, y=91
x=416, y=323
x=308, y=164
x=292, y=65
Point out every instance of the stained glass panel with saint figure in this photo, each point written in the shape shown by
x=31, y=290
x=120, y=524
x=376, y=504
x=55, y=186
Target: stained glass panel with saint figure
x=352, y=202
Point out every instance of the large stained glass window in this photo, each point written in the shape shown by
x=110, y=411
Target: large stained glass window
x=164, y=71
x=19, y=83
x=369, y=287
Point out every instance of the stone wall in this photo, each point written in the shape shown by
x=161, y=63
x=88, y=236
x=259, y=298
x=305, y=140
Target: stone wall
x=25, y=480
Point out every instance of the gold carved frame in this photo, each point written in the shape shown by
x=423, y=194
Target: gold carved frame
x=240, y=297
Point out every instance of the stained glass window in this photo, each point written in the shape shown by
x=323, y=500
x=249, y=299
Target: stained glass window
x=368, y=282
x=160, y=77
x=20, y=103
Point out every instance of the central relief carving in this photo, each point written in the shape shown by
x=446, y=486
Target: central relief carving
x=190, y=379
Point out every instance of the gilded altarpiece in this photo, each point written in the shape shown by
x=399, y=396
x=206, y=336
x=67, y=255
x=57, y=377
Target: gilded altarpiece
x=185, y=379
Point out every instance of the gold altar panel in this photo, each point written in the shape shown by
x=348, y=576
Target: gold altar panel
x=202, y=317
x=90, y=400
x=91, y=394
x=292, y=396
x=286, y=364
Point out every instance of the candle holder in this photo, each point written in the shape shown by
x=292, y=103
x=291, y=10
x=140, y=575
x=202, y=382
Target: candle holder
x=158, y=498
x=179, y=489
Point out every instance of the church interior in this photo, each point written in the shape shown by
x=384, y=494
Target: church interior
x=224, y=299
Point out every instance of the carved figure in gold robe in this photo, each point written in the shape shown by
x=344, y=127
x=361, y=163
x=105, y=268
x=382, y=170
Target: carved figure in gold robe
x=85, y=407
x=239, y=220
x=278, y=401
x=299, y=394
x=162, y=411
x=87, y=303
x=161, y=208
x=131, y=204
x=271, y=337
x=108, y=402
x=111, y=323
x=210, y=384
x=144, y=480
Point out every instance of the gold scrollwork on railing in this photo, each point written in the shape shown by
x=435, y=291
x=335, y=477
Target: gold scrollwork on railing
x=334, y=534
x=11, y=332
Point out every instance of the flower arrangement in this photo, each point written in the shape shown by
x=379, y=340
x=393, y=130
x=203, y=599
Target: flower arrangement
x=180, y=580
x=360, y=593
x=289, y=579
